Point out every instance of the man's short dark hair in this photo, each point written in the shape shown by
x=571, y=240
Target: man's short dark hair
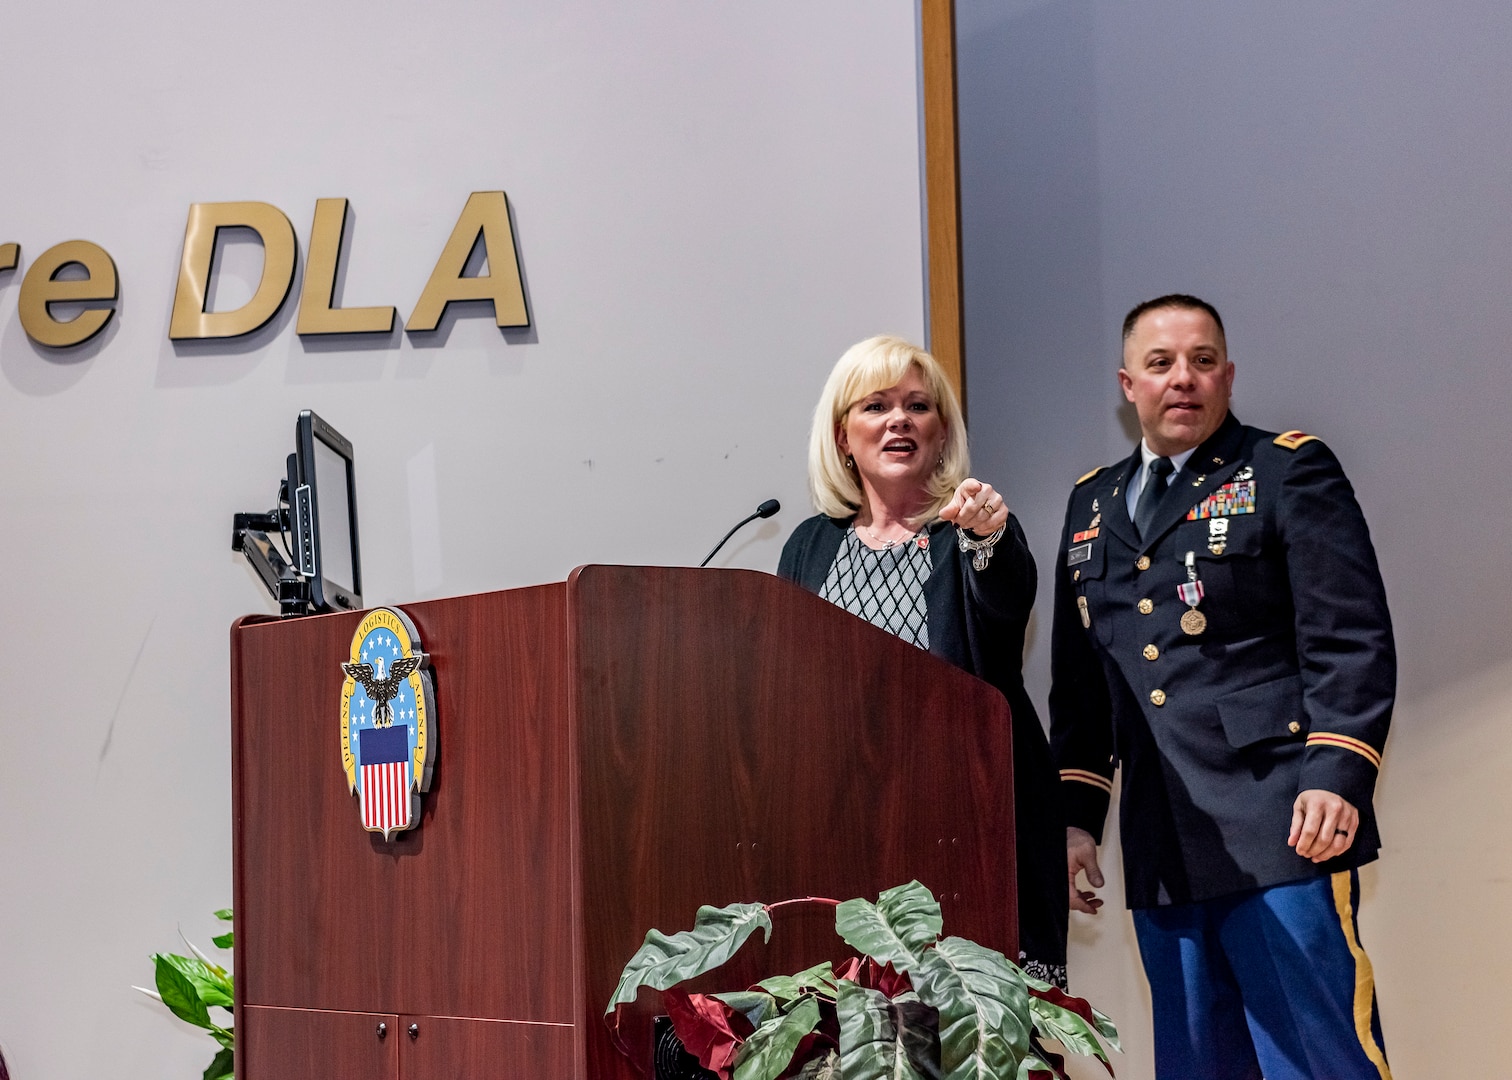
x=1172, y=300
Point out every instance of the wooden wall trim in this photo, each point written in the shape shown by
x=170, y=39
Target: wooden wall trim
x=942, y=188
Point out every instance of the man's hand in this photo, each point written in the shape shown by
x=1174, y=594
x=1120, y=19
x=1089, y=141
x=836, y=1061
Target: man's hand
x=1081, y=854
x=1323, y=825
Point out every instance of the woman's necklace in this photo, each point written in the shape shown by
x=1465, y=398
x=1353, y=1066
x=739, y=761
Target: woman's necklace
x=888, y=545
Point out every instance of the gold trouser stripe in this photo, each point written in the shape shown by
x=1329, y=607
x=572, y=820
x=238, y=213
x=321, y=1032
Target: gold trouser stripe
x=1364, y=999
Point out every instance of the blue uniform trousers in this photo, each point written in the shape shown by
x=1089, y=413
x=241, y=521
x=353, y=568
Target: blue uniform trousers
x=1268, y=983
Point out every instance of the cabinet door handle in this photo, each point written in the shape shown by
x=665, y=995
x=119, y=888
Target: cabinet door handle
x=382, y=1030
x=414, y=1031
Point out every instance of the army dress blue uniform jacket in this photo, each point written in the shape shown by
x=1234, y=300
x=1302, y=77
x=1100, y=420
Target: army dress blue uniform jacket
x=1289, y=686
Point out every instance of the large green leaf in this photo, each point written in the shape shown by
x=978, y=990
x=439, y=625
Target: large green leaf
x=224, y=941
x=819, y=979
x=984, y=1009
x=221, y=1067
x=212, y=983
x=904, y=922
x=1065, y=1027
x=754, y=1005
x=665, y=960
x=1033, y=1064
x=769, y=1050
x=1099, y=1020
x=180, y=995
x=826, y=1067
x=872, y=1045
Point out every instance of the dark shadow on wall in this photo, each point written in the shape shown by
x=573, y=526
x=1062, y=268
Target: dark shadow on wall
x=1038, y=372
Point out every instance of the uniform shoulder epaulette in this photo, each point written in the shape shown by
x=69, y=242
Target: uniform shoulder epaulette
x=1293, y=439
x=1087, y=476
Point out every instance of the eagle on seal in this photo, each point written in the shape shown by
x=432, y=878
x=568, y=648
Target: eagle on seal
x=381, y=688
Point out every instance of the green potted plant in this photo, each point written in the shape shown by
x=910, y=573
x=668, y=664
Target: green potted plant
x=193, y=985
x=912, y=1006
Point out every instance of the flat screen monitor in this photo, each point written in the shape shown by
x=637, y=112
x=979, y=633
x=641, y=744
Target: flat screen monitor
x=323, y=506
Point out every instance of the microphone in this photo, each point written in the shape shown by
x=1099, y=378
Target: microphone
x=765, y=510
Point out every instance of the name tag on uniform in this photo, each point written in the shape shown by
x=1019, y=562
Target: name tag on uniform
x=1080, y=553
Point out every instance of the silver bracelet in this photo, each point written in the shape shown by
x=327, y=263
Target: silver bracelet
x=981, y=549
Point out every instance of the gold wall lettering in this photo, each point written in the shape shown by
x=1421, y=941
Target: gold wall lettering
x=483, y=228
x=486, y=213
x=41, y=288
x=190, y=319
x=317, y=315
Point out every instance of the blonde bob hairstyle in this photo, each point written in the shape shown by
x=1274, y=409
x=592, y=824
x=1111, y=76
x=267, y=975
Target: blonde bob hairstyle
x=869, y=366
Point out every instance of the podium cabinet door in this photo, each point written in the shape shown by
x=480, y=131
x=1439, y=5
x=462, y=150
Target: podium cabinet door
x=309, y=1044
x=448, y=1048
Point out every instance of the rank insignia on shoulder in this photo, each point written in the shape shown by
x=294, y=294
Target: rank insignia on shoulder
x=1087, y=476
x=1293, y=439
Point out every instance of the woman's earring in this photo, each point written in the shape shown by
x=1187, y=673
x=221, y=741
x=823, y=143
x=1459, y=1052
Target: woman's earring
x=850, y=462
x=941, y=463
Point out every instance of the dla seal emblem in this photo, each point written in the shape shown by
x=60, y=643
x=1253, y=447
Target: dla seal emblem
x=386, y=710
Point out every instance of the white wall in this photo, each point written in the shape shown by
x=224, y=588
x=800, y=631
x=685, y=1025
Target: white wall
x=1334, y=178
x=711, y=201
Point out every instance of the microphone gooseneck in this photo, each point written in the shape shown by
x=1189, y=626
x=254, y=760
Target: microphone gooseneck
x=765, y=510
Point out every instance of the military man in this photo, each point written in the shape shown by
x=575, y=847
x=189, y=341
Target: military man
x=1221, y=633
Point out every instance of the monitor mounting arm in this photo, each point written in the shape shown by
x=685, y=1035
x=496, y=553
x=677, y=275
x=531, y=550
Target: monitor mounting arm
x=249, y=535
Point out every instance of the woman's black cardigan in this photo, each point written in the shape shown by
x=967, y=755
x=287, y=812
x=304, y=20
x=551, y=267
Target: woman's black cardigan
x=977, y=621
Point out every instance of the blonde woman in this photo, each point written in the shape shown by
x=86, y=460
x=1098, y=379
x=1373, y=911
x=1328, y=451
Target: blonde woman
x=907, y=540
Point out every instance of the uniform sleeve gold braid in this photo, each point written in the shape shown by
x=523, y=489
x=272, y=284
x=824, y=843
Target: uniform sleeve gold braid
x=1346, y=742
x=1293, y=439
x=1083, y=776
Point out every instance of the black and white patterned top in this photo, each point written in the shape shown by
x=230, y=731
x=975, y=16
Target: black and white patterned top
x=886, y=588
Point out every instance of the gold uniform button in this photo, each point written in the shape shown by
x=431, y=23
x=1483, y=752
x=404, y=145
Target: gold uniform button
x=1293, y=727
x=1146, y=606
x=1157, y=697
x=1142, y=563
x=1151, y=652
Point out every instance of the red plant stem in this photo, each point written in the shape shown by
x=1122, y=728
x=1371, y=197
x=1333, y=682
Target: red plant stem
x=802, y=900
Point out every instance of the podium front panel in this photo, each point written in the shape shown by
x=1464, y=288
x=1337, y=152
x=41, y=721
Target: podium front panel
x=740, y=739
x=468, y=915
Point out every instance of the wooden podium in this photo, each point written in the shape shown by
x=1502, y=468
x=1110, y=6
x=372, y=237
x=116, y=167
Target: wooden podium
x=613, y=751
